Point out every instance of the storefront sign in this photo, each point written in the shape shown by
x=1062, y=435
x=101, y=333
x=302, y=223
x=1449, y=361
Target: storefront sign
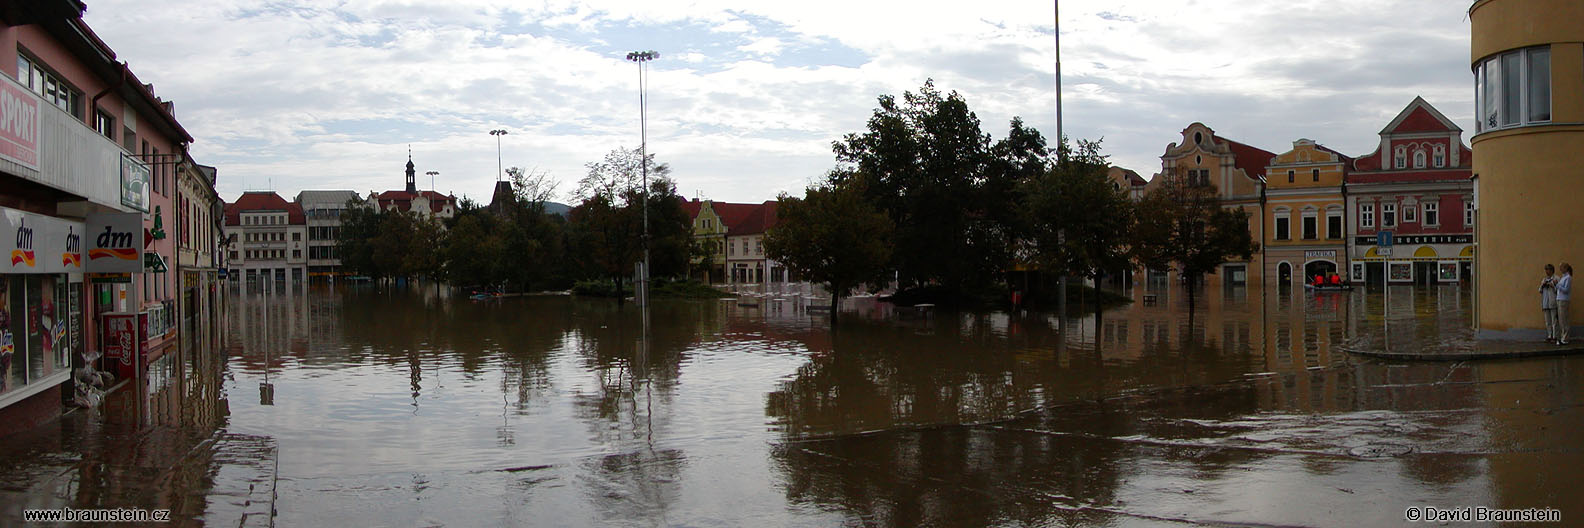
x=1413, y=240
x=1320, y=254
x=34, y=243
x=134, y=183
x=113, y=243
x=153, y=262
x=110, y=278
x=19, y=124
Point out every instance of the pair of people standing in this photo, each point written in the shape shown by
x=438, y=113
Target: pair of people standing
x=1555, y=296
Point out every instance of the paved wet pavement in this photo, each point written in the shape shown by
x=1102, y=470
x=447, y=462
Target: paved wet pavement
x=400, y=408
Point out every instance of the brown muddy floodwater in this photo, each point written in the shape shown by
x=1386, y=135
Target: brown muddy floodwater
x=388, y=407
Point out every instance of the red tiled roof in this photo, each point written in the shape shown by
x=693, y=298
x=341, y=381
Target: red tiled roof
x=403, y=200
x=263, y=201
x=1252, y=160
x=691, y=207
x=760, y=218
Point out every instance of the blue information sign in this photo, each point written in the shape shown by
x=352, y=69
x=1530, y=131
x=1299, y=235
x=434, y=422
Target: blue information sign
x=1383, y=239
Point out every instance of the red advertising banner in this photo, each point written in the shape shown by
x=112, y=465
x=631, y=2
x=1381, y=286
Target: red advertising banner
x=121, y=342
x=19, y=124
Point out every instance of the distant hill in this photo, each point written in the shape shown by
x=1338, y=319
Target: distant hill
x=557, y=208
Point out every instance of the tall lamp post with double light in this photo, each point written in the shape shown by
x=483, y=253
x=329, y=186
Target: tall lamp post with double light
x=498, y=170
x=643, y=58
x=432, y=175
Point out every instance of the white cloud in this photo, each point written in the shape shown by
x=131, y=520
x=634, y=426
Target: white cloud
x=310, y=95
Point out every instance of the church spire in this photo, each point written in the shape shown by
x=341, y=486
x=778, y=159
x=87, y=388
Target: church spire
x=412, y=177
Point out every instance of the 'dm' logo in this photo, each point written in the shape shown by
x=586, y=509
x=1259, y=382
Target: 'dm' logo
x=73, y=254
x=113, y=245
x=23, y=254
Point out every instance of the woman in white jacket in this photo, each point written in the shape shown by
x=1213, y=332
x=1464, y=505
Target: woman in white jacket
x=1564, y=296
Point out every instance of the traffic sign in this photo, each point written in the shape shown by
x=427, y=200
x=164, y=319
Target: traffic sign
x=1383, y=239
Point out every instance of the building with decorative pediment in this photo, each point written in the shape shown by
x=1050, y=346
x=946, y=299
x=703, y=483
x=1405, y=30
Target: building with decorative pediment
x=1237, y=171
x=425, y=204
x=1304, y=225
x=1415, y=185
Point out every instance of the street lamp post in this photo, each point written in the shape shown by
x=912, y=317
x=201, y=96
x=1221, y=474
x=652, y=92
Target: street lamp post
x=498, y=133
x=643, y=58
x=432, y=175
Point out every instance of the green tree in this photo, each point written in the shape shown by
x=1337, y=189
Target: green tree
x=1181, y=225
x=360, y=224
x=831, y=236
x=607, y=226
x=950, y=192
x=1079, y=223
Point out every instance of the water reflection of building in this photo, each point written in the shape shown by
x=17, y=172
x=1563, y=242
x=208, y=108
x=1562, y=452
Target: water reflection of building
x=1529, y=129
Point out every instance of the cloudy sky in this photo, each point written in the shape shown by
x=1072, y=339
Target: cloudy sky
x=748, y=96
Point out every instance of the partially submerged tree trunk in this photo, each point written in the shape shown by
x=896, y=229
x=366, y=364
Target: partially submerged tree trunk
x=835, y=299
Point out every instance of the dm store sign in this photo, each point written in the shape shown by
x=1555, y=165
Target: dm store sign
x=115, y=243
x=35, y=243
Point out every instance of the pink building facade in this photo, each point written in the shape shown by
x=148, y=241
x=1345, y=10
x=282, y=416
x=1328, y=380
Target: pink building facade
x=88, y=158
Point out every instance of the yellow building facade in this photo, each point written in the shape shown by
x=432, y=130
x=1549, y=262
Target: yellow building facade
x=1304, y=211
x=1237, y=171
x=1527, y=57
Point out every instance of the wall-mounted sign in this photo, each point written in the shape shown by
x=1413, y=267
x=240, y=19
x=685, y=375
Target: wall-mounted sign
x=134, y=183
x=1412, y=240
x=34, y=243
x=114, y=243
x=1320, y=254
x=19, y=124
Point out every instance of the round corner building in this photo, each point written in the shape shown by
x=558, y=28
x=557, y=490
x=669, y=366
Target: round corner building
x=1528, y=63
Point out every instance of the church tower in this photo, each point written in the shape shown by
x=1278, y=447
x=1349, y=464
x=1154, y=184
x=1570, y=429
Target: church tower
x=412, y=181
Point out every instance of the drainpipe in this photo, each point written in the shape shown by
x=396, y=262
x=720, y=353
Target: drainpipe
x=93, y=105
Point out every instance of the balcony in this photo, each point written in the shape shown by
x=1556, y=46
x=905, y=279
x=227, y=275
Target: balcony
x=65, y=153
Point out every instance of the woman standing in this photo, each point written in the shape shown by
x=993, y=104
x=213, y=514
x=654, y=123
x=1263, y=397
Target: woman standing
x=1548, y=304
x=1564, y=291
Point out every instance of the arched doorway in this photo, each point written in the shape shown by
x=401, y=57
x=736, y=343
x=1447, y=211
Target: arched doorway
x=1322, y=268
x=1284, y=275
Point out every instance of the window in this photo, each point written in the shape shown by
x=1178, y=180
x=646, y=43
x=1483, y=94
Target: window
x=1440, y=156
x=296, y=237
x=1334, y=225
x=1367, y=216
x=1400, y=158
x=1283, y=231
x=1419, y=158
x=1408, y=213
x=1289, y=176
x=1314, y=174
x=104, y=124
x=1388, y=215
x=1432, y=213
x=1310, y=226
x=55, y=91
x=1468, y=215
x=296, y=253
x=1513, y=89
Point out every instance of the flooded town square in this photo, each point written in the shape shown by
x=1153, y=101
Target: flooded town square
x=367, y=406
